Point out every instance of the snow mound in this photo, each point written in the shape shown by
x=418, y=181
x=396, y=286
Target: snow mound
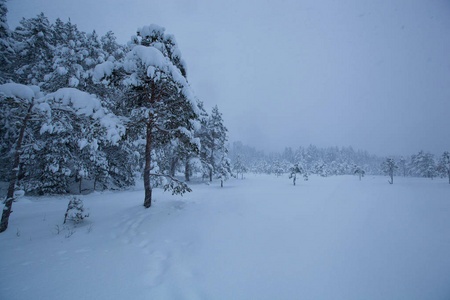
x=102, y=70
x=17, y=90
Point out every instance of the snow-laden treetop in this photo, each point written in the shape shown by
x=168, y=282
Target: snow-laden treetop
x=151, y=30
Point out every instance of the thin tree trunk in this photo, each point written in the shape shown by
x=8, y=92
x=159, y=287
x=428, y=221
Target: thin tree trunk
x=148, y=160
x=221, y=183
x=187, y=170
x=173, y=165
x=79, y=187
x=212, y=160
x=12, y=184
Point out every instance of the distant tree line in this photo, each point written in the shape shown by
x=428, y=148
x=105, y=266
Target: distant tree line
x=337, y=161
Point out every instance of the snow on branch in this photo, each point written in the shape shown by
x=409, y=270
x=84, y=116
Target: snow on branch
x=16, y=90
x=85, y=104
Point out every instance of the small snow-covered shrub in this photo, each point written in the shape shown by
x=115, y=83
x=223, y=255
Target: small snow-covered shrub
x=75, y=211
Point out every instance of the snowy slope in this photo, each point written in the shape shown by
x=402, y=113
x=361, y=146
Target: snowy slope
x=258, y=238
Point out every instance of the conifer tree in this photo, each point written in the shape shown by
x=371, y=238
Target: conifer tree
x=159, y=103
x=17, y=103
x=389, y=166
x=7, y=52
x=35, y=48
x=214, y=142
x=423, y=165
x=444, y=165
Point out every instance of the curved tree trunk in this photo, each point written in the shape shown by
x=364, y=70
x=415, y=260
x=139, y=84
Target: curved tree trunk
x=12, y=183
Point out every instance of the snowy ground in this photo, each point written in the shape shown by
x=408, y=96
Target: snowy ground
x=258, y=238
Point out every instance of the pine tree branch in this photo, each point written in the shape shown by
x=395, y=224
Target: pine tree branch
x=168, y=176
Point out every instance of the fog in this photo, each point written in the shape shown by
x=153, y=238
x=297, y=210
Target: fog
x=371, y=74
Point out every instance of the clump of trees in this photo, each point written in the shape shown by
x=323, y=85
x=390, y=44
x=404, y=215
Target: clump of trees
x=81, y=112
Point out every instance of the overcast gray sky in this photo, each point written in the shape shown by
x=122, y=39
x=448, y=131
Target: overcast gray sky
x=371, y=74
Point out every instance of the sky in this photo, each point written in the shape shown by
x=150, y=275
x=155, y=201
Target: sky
x=374, y=75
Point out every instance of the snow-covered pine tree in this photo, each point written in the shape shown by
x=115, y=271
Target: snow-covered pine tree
x=202, y=133
x=34, y=48
x=297, y=169
x=358, y=170
x=215, y=143
x=68, y=56
x=7, y=52
x=17, y=105
x=223, y=168
x=159, y=103
x=403, y=166
x=423, y=165
x=444, y=165
x=75, y=211
x=239, y=167
x=69, y=142
x=110, y=46
x=320, y=168
x=389, y=166
x=277, y=168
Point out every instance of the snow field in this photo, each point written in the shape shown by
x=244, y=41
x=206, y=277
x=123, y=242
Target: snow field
x=258, y=238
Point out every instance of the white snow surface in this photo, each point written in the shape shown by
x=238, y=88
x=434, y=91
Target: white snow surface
x=257, y=238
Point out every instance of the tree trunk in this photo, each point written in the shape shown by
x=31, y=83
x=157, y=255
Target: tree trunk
x=212, y=160
x=221, y=183
x=12, y=183
x=173, y=166
x=187, y=170
x=81, y=179
x=148, y=160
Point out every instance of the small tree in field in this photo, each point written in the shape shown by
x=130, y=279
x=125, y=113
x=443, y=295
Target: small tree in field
x=297, y=169
x=239, y=167
x=444, y=165
x=389, y=166
x=75, y=211
x=359, y=171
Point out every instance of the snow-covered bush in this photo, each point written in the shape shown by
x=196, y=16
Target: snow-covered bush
x=75, y=211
